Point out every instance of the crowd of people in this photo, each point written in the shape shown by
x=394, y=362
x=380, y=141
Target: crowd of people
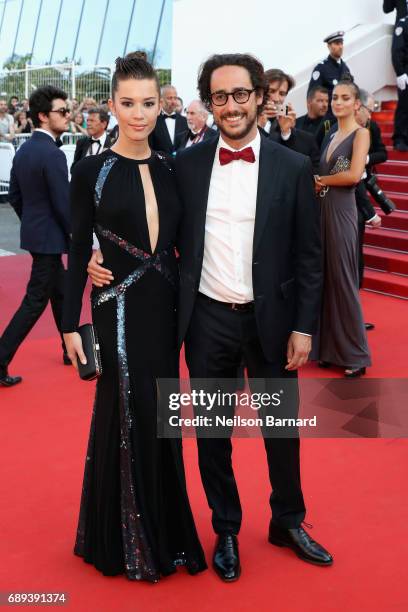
x=238, y=236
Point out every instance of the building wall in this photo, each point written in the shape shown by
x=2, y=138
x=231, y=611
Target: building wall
x=285, y=35
x=144, y=21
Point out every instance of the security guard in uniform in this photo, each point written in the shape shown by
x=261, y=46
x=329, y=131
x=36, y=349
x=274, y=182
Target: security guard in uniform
x=331, y=70
x=400, y=63
x=400, y=5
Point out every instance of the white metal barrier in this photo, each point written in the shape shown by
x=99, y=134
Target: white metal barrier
x=70, y=139
x=20, y=139
x=69, y=152
x=6, y=161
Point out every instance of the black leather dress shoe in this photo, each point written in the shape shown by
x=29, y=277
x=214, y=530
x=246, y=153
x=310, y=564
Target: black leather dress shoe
x=8, y=381
x=369, y=326
x=301, y=543
x=226, y=558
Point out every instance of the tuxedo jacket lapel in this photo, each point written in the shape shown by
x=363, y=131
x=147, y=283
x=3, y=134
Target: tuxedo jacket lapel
x=164, y=132
x=201, y=187
x=269, y=162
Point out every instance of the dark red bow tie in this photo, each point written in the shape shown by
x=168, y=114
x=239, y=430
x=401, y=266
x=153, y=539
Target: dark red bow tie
x=227, y=156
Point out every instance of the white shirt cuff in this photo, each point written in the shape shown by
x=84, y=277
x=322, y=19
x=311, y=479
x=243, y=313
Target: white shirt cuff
x=301, y=333
x=286, y=136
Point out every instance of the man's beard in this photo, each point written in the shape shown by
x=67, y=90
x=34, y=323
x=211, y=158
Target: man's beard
x=251, y=121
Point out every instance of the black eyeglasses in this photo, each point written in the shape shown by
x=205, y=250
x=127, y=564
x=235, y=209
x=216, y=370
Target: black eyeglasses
x=62, y=111
x=220, y=98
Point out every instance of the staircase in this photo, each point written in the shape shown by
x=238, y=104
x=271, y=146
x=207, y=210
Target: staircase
x=386, y=248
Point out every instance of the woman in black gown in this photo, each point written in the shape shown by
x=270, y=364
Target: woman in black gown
x=135, y=515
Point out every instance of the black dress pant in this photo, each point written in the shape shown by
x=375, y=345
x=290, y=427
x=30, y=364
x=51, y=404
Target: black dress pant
x=46, y=284
x=218, y=339
x=401, y=118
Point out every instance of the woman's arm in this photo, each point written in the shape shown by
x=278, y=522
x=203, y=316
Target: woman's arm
x=82, y=218
x=352, y=176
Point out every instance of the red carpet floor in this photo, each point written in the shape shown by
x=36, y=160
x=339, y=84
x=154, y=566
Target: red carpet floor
x=356, y=494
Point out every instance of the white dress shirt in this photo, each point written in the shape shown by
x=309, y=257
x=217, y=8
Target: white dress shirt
x=96, y=148
x=171, y=125
x=229, y=228
x=46, y=132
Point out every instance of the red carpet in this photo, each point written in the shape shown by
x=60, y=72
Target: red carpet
x=356, y=494
x=387, y=247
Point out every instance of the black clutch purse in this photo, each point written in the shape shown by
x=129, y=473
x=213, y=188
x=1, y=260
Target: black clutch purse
x=93, y=367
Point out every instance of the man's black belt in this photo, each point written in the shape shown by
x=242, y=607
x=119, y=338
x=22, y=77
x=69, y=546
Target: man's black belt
x=230, y=305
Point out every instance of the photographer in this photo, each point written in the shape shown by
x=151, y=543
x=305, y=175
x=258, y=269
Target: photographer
x=281, y=117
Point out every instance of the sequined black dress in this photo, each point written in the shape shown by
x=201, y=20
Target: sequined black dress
x=135, y=515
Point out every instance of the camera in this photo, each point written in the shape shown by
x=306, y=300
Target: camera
x=386, y=205
x=282, y=110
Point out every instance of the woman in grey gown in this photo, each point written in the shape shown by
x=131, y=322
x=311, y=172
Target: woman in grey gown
x=343, y=339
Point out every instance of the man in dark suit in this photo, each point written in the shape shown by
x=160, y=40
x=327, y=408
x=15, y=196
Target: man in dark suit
x=250, y=281
x=400, y=5
x=97, y=140
x=198, y=129
x=250, y=284
x=281, y=123
x=39, y=195
x=399, y=54
x=170, y=125
x=317, y=107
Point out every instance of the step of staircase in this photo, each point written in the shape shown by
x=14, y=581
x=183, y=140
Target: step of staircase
x=386, y=283
x=400, y=200
x=396, y=220
x=383, y=116
x=387, y=239
x=389, y=105
x=387, y=139
x=386, y=127
x=386, y=261
x=396, y=155
x=397, y=184
x=394, y=167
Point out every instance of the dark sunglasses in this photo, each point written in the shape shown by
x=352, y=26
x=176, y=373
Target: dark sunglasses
x=62, y=111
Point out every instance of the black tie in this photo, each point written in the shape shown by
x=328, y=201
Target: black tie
x=173, y=116
x=191, y=135
x=92, y=144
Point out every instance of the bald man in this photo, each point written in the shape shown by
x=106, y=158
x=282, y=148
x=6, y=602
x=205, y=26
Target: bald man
x=170, y=125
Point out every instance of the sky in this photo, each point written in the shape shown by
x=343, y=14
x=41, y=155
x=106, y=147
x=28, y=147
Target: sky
x=142, y=33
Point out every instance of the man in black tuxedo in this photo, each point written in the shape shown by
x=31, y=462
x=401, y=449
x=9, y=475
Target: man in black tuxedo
x=282, y=128
x=170, y=125
x=400, y=5
x=198, y=129
x=250, y=282
x=97, y=140
x=39, y=195
x=250, y=285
